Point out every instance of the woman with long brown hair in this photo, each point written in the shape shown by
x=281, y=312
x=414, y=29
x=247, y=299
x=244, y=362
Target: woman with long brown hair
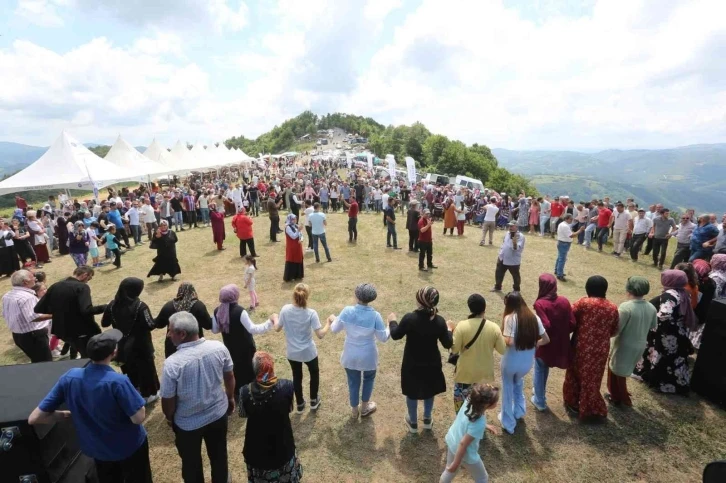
x=523, y=332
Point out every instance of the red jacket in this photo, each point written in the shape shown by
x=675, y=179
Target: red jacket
x=242, y=225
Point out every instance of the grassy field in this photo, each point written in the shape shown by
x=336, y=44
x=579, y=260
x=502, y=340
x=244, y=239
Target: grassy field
x=661, y=439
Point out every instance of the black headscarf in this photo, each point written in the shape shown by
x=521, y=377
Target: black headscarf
x=596, y=286
x=125, y=304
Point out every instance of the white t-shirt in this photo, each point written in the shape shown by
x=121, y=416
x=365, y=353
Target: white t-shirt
x=148, y=212
x=308, y=211
x=249, y=277
x=133, y=216
x=510, y=328
x=299, y=325
x=91, y=232
x=564, y=233
x=621, y=220
x=384, y=199
x=462, y=216
x=491, y=214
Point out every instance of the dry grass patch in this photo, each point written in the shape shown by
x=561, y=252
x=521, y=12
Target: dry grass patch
x=662, y=439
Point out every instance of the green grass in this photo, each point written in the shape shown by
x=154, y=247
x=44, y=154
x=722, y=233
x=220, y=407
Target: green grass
x=661, y=439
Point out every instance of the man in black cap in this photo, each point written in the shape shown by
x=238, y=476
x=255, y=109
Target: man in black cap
x=107, y=413
x=69, y=301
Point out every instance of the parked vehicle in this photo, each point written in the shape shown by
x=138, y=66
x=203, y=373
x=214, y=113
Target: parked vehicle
x=470, y=183
x=437, y=179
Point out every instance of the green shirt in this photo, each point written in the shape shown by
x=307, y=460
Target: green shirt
x=637, y=318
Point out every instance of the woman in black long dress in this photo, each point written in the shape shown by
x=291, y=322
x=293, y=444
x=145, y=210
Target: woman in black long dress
x=127, y=313
x=9, y=262
x=23, y=247
x=165, y=262
x=237, y=329
x=421, y=375
x=186, y=300
x=269, y=447
x=61, y=231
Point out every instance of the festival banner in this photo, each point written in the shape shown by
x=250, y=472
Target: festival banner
x=391, y=165
x=411, y=168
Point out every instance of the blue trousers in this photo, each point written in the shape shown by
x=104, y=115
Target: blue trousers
x=541, y=373
x=320, y=238
x=412, y=405
x=562, y=249
x=515, y=365
x=543, y=219
x=588, y=233
x=354, y=386
x=391, y=234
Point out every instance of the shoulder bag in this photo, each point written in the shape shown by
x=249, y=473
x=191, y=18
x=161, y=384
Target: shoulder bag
x=454, y=358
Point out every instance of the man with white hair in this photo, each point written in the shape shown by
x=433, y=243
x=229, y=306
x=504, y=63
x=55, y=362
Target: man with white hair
x=192, y=398
x=29, y=329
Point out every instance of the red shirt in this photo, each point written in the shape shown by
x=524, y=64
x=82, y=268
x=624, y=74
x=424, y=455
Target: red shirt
x=21, y=203
x=424, y=236
x=603, y=217
x=353, y=209
x=242, y=224
x=557, y=209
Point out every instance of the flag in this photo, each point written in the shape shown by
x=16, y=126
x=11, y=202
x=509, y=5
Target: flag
x=411, y=168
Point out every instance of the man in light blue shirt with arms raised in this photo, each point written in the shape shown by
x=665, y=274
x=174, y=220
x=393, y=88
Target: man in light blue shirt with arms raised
x=318, y=222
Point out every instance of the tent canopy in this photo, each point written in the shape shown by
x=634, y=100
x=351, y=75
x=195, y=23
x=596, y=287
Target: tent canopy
x=156, y=152
x=125, y=156
x=66, y=164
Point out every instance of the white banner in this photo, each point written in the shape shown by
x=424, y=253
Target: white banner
x=411, y=168
x=370, y=162
x=391, y=166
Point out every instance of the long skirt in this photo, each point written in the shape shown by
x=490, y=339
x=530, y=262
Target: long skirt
x=142, y=374
x=9, y=262
x=165, y=266
x=41, y=252
x=290, y=472
x=293, y=271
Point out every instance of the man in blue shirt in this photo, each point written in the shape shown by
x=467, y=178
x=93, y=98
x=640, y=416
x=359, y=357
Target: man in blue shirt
x=318, y=223
x=107, y=413
x=510, y=258
x=703, y=239
x=114, y=216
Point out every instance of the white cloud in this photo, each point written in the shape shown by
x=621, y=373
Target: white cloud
x=40, y=12
x=161, y=43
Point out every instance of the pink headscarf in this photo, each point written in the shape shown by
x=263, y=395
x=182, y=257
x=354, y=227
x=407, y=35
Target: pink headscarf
x=677, y=280
x=228, y=295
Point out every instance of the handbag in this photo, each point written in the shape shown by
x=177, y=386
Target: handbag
x=454, y=358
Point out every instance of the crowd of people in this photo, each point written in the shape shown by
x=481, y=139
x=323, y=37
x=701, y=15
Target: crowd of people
x=203, y=381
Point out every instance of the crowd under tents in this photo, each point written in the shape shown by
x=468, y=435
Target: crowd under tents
x=68, y=164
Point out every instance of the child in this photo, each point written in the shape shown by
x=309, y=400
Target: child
x=93, y=242
x=466, y=432
x=112, y=243
x=250, y=280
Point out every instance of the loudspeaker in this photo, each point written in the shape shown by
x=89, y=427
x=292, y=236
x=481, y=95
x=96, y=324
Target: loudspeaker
x=709, y=373
x=47, y=453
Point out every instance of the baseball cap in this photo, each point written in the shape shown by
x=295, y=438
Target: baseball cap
x=102, y=345
x=641, y=209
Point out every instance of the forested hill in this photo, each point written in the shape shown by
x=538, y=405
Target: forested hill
x=432, y=152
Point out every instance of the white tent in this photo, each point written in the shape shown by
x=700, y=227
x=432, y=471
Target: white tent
x=156, y=152
x=125, y=156
x=205, y=160
x=185, y=161
x=66, y=164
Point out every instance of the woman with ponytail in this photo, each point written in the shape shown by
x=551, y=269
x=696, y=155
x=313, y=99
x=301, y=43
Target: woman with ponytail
x=421, y=375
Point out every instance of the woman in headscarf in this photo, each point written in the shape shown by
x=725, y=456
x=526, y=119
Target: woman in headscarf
x=127, y=313
x=9, y=261
x=707, y=288
x=46, y=219
x=692, y=285
x=165, y=262
x=718, y=275
x=186, y=300
x=232, y=320
x=523, y=214
x=362, y=325
x=61, y=231
x=558, y=320
x=664, y=363
x=217, y=220
x=421, y=375
x=23, y=247
x=294, y=269
x=79, y=243
x=450, y=212
x=38, y=237
x=269, y=447
x=596, y=322
x=637, y=318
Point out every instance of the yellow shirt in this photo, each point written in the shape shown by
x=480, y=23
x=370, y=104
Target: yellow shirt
x=476, y=364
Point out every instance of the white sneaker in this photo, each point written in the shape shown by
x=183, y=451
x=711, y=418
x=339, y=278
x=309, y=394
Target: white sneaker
x=56, y=354
x=153, y=398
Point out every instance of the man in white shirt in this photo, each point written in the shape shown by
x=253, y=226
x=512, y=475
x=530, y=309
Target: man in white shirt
x=640, y=227
x=309, y=210
x=490, y=221
x=564, y=242
x=544, y=214
x=237, y=197
x=620, y=222
x=30, y=330
x=148, y=217
x=318, y=224
x=510, y=258
x=134, y=222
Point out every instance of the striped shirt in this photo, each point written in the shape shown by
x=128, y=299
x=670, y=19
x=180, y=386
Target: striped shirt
x=190, y=202
x=193, y=374
x=18, y=305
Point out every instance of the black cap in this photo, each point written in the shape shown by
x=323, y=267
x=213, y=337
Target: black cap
x=101, y=346
x=619, y=203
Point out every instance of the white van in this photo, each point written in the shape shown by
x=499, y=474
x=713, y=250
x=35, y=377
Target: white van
x=471, y=183
x=437, y=179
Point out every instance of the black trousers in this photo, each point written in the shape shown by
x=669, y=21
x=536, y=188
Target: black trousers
x=309, y=231
x=297, y=379
x=244, y=244
x=499, y=275
x=648, y=247
x=122, y=235
x=274, y=227
x=683, y=253
x=117, y=254
x=636, y=245
x=80, y=343
x=660, y=246
x=34, y=344
x=352, y=229
x=189, y=446
x=412, y=240
x=191, y=218
x=425, y=250
x=602, y=234
x=134, y=469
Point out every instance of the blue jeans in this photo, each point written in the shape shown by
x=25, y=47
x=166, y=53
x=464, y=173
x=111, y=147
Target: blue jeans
x=379, y=205
x=541, y=372
x=700, y=254
x=178, y=220
x=412, y=405
x=320, y=238
x=515, y=365
x=354, y=389
x=205, y=214
x=136, y=232
x=391, y=234
x=543, y=219
x=562, y=249
x=588, y=233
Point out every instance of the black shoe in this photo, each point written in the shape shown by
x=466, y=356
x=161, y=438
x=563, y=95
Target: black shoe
x=433, y=266
x=396, y=248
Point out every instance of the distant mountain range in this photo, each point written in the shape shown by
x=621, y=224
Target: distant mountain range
x=685, y=177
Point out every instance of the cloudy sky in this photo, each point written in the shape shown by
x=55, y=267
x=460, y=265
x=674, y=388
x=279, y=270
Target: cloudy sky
x=520, y=74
